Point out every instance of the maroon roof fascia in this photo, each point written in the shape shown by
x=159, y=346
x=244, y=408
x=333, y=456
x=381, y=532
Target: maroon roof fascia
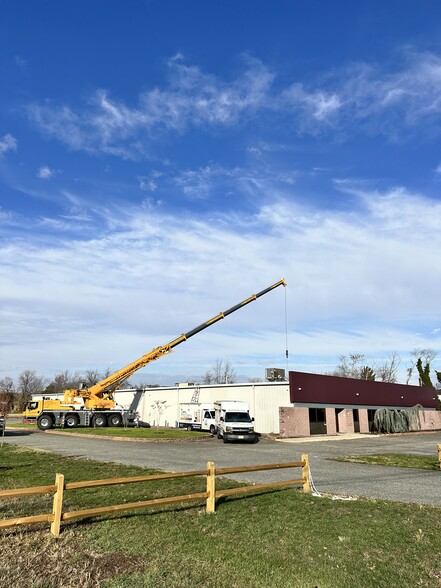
x=320, y=389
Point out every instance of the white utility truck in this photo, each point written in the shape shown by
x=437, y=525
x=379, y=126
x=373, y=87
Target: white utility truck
x=198, y=417
x=233, y=421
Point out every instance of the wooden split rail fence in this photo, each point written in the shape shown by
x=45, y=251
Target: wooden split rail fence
x=58, y=489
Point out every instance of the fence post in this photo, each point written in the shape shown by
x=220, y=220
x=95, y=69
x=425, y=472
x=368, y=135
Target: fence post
x=305, y=474
x=57, y=508
x=439, y=456
x=211, y=487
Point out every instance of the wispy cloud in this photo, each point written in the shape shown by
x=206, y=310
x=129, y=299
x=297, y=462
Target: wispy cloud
x=359, y=98
x=7, y=143
x=357, y=272
x=45, y=172
x=192, y=98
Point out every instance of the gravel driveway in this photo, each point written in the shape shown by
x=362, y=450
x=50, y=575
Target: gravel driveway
x=399, y=484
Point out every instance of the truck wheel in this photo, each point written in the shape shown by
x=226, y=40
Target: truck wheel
x=189, y=428
x=71, y=421
x=99, y=420
x=45, y=422
x=212, y=429
x=115, y=420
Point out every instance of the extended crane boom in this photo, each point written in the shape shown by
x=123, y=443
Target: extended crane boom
x=104, y=389
x=94, y=405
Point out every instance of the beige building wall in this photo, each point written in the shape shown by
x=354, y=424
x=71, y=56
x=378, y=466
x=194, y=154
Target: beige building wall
x=331, y=421
x=264, y=399
x=430, y=420
x=346, y=421
x=294, y=422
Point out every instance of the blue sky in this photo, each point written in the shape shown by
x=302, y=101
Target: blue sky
x=160, y=161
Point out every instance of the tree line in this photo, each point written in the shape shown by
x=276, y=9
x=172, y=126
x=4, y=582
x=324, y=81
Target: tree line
x=355, y=366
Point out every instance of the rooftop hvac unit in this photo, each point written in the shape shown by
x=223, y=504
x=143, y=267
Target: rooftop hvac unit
x=274, y=374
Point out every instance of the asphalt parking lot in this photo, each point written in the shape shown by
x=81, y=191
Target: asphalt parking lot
x=330, y=477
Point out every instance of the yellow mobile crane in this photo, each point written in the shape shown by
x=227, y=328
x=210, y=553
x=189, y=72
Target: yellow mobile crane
x=94, y=405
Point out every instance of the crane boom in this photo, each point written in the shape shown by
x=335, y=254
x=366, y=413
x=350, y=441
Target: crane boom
x=100, y=392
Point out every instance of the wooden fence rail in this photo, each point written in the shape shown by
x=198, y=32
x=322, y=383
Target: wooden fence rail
x=57, y=515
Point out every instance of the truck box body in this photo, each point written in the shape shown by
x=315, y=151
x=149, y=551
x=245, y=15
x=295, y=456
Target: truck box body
x=195, y=416
x=233, y=421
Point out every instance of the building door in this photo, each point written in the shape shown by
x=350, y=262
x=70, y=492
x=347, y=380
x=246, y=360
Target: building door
x=371, y=415
x=356, y=420
x=317, y=421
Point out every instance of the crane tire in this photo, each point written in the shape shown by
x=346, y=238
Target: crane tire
x=45, y=422
x=99, y=420
x=114, y=420
x=71, y=421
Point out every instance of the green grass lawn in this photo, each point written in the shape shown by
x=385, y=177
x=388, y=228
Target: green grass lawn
x=130, y=433
x=284, y=539
x=401, y=460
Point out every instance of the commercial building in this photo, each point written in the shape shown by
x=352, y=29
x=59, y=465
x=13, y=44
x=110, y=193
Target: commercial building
x=306, y=404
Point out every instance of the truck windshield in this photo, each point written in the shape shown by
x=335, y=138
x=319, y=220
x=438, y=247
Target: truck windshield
x=237, y=417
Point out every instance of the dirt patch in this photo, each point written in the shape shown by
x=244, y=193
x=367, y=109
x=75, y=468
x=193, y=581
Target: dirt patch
x=41, y=561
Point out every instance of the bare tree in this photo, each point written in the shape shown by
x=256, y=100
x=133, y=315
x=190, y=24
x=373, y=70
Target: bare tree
x=7, y=387
x=29, y=383
x=350, y=366
x=92, y=377
x=221, y=372
x=387, y=371
x=64, y=381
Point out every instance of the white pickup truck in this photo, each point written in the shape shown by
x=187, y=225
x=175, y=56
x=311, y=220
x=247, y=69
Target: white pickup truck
x=233, y=421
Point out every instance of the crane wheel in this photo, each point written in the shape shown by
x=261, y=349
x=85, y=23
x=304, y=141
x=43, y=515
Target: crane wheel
x=71, y=421
x=115, y=420
x=99, y=420
x=45, y=422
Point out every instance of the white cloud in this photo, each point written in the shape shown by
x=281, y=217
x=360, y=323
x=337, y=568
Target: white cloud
x=357, y=282
x=45, y=172
x=7, y=143
x=316, y=106
x=192, y=98
x=149, y=183
x=359, y=98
